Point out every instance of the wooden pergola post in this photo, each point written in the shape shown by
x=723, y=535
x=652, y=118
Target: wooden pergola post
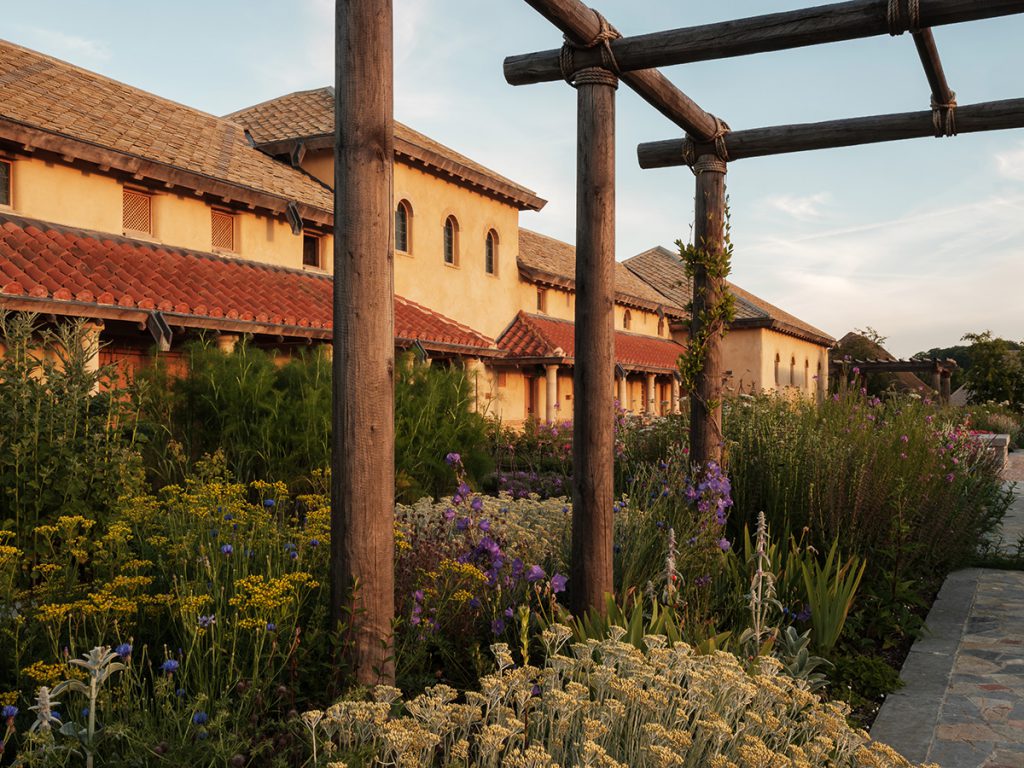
x=362, y=442
x=594, y=372
x=709, y=237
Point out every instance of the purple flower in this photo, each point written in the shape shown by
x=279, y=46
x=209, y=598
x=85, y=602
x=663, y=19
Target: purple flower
x=9, y=712
x=498, y=626
x=271, y=626
x=463, y=524
x=170, y=666
x=453, y=459
x=314, y=543
x=485, y=525
x=509, y=613
x=474, y=603
x=476, y=504
x=124, y=650
x=724, y=545
x=268, y=503
x=200, y=718
x=226, y=549
x=449, y=514
x=535, y=573
x=205, y=622
x=558, y=583
x=418, y=595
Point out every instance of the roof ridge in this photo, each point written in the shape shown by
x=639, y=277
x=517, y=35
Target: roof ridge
x=265, y=102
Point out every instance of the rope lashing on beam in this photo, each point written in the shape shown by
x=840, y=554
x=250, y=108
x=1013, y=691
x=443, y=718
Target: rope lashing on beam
x=902, y=19
x=709, y=163
x=717, y=138
x=944, y=116
x=605, y=34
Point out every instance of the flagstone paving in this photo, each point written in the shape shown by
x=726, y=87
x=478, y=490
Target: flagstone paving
x=963, y=702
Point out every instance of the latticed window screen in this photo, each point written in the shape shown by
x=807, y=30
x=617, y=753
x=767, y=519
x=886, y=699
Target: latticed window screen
x=222, y=230
x=137, y=213
x=5, y=183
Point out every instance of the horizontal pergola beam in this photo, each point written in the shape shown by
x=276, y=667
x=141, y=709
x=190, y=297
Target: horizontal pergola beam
x=756, y=34
x=782, y=139
x=581, y=25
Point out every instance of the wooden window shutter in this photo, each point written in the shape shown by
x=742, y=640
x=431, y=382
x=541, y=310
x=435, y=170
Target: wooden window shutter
x=5, y=183
x=222, y=230
x=137, y=212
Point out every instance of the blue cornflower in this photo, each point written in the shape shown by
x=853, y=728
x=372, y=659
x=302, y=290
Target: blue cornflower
x=124, y=650
x=229, y=516
x=200, y=718
x=226, y=549
x=293, y=555
x=314, y=543
x=268, y=503
x=170, y=666
x=85, y=713
x=9, y=712
x=205, y=622
x=271, y=626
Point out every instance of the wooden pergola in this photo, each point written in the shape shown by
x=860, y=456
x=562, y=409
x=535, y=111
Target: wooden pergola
x=941, y=371
x=593, y=58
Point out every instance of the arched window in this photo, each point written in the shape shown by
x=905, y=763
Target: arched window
x=777, y=361
x=491, y=253
x=626, y=319
x=792, y=371
x=451, y=241
x=403, y=227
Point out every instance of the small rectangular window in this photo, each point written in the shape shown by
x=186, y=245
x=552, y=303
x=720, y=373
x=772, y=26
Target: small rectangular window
x=310, y=251
x=5, y=183
x=542, y=300
x=502, y=379
x=222, y=230
x=137, y=212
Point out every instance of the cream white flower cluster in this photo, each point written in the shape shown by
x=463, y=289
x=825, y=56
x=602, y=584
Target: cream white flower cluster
x=607, y=704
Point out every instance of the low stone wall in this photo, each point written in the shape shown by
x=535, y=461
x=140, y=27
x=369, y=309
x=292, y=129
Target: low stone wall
x=997, y=444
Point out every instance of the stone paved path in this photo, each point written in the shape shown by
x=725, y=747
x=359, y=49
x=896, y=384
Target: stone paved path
x=963, y=703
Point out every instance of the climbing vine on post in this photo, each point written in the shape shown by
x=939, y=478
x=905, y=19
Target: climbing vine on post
x=707, y=262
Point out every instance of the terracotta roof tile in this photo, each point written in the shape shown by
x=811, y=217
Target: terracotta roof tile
x=663, y=270
x=540, y=337
x=61, y=264
x=541, y=256
x=54, y=96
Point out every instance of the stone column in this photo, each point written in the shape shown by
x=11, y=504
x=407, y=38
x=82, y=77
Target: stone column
x=91, y=349
x=551, y=380
x=226, y=342
x=623, y=393
x=652, y=396
x=479, y=383
x=675, y=395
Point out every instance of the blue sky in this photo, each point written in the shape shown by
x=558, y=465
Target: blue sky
x=922, y=240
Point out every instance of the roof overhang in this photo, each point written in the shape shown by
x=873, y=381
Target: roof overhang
x=28, y=139
x=552, y=280
x=427, y=160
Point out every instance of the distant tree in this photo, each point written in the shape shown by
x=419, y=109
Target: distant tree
x=864, y=344
x=871, y=335
x=997, y=370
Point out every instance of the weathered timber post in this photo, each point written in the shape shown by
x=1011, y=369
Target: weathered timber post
x=709, y=236
x=594, y=374
x=946, y=386
x=362, y=443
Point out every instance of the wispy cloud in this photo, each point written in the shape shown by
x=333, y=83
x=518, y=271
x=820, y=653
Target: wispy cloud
x=81, y=50
x=923, y=278
x=1011, y=163
x=799, y=207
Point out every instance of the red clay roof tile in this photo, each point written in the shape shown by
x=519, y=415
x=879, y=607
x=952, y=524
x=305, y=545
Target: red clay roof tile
x=535, y=336
x=130, y=273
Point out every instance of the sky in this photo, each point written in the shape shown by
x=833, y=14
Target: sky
x=921, y=240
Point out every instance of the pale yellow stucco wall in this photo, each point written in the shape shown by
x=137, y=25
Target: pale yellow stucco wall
x=67, y=195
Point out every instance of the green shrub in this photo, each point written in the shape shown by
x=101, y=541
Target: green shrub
x=67, y=438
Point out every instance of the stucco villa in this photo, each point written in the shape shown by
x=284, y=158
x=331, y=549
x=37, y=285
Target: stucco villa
x=157, y=222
